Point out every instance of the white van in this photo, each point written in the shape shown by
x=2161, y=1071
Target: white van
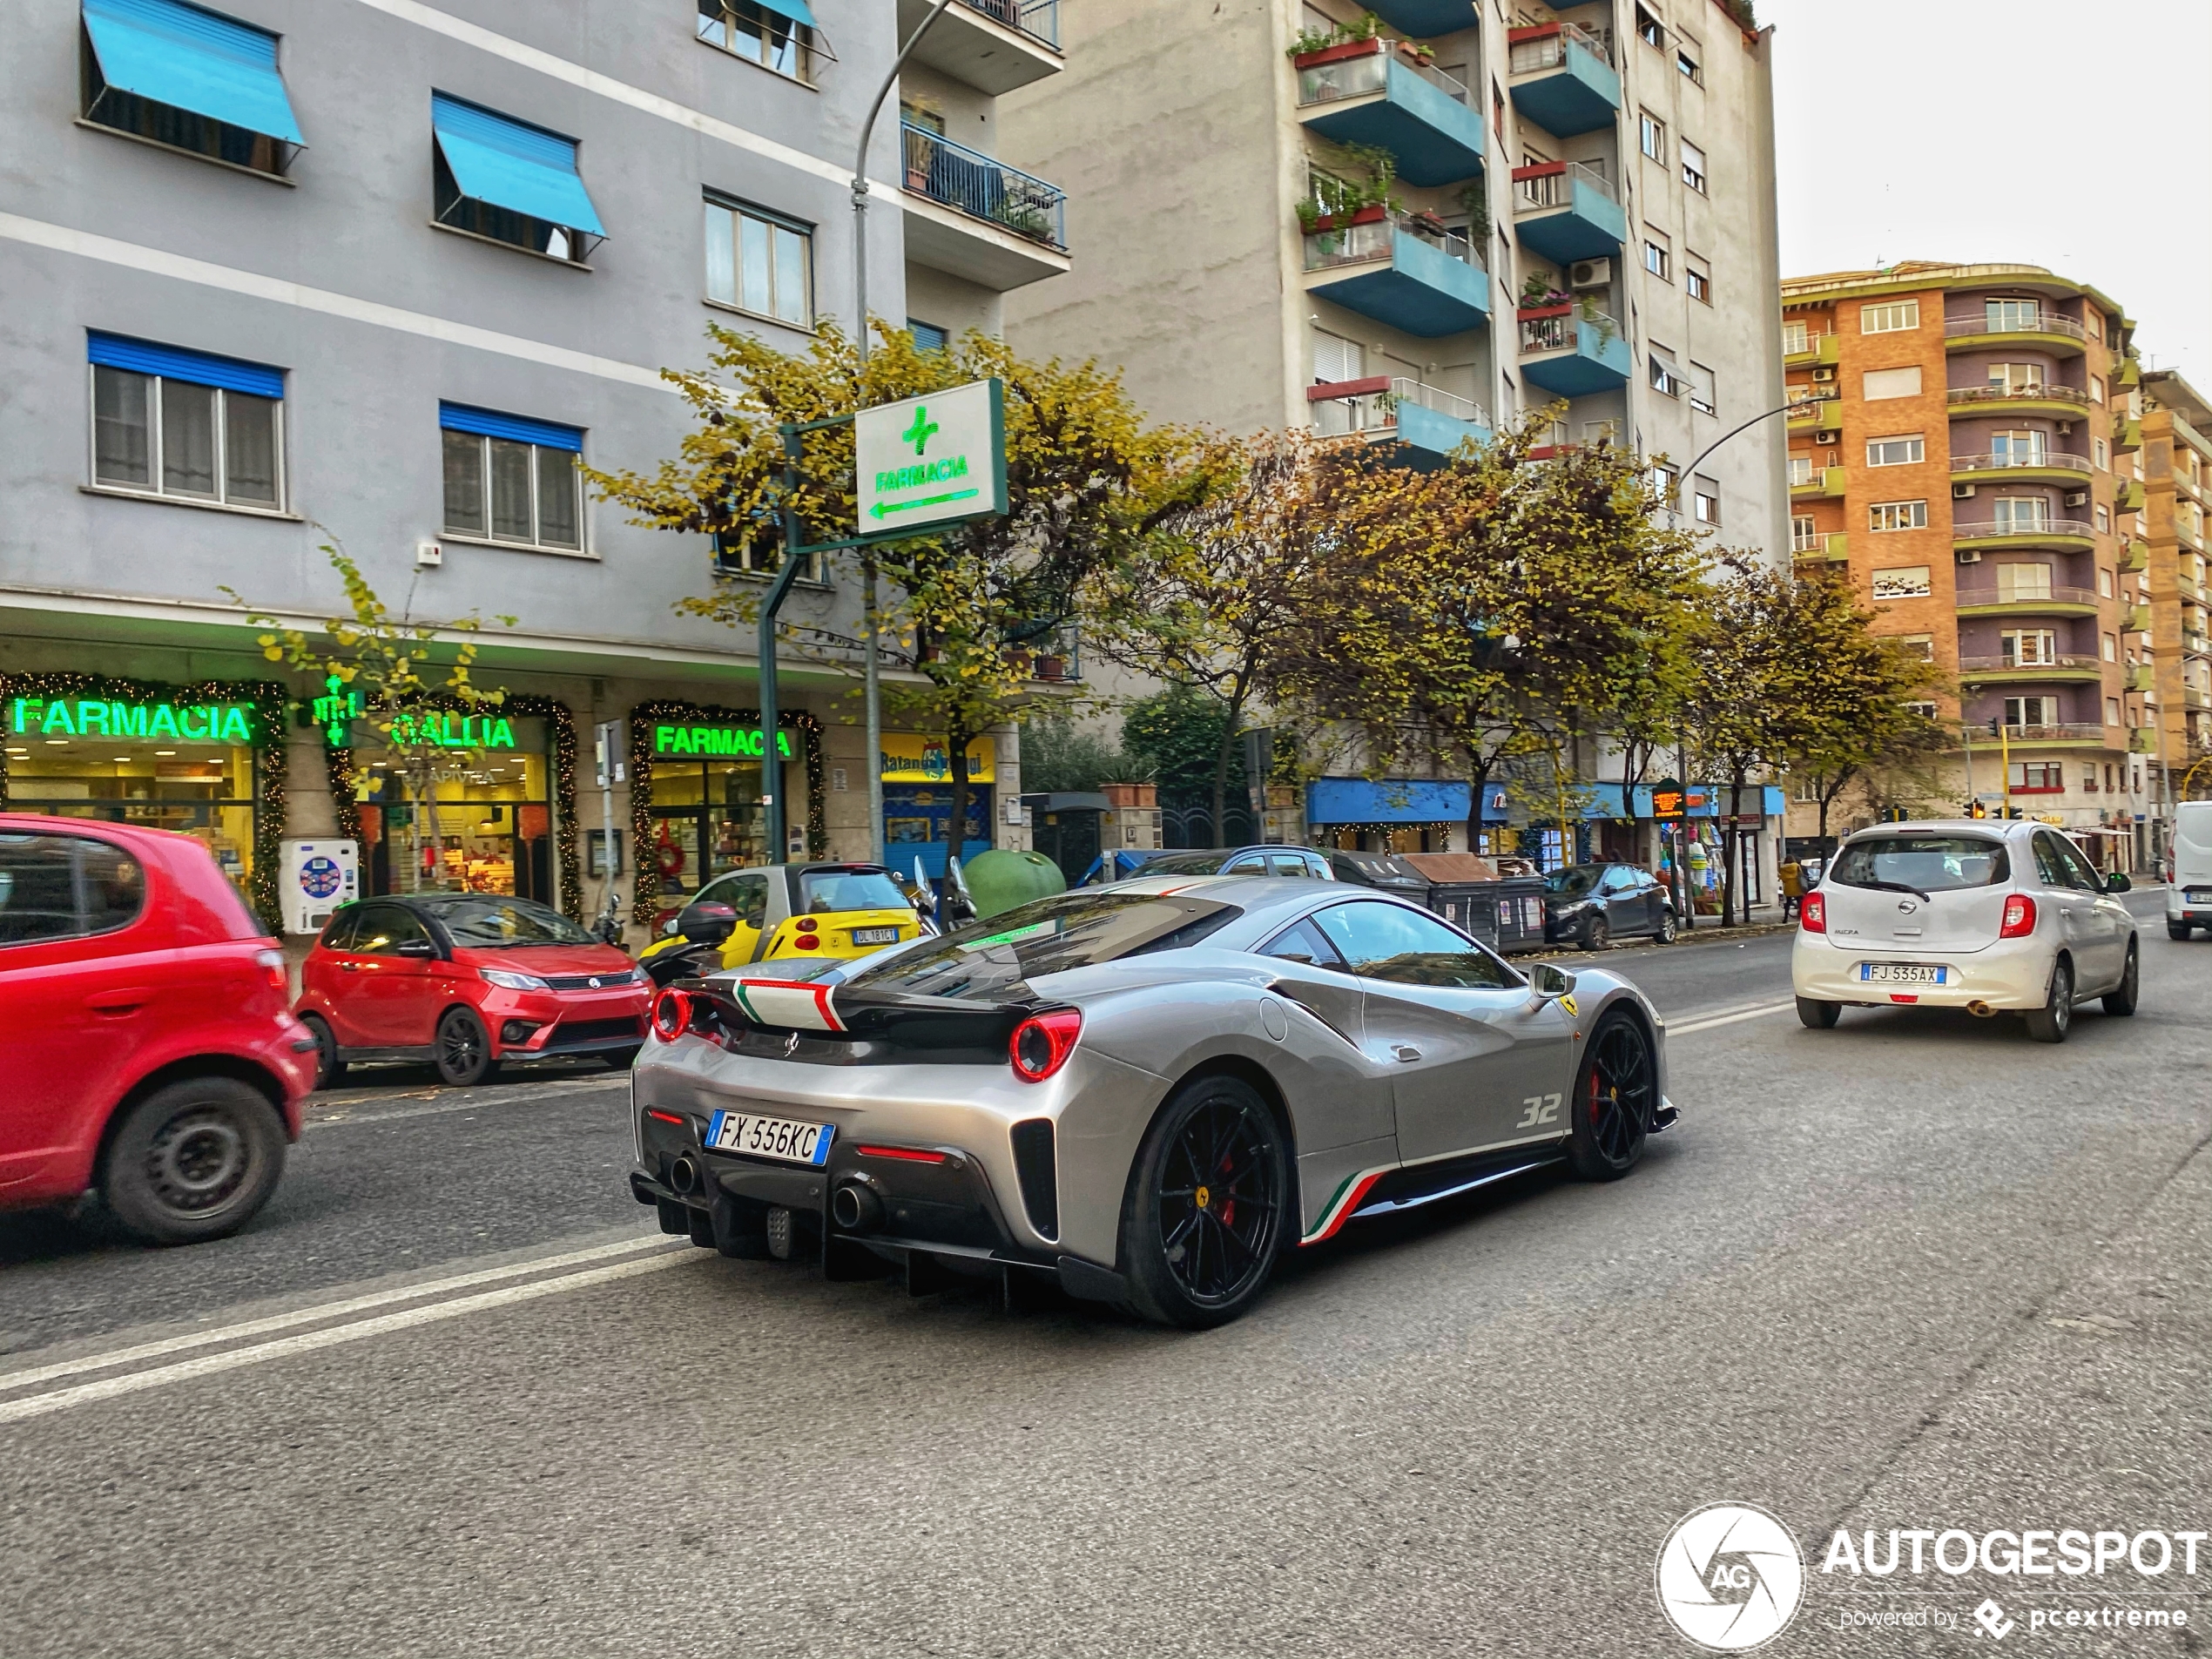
x=2189, y=896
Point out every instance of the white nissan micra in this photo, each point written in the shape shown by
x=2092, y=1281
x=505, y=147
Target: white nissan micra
x=1987, y=916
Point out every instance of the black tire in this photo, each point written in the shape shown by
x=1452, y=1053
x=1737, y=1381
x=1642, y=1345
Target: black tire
x=2051, y=1023
x=2121, y=999
x=330, y=1065
x=620, y=1060
x=1665, y=932
x=1818, y=1016
x=1596, y=934
x=1207, y=1205
x=2177, y=930
x=462, y=1051
x=1615, y=1094
x=193, y=1160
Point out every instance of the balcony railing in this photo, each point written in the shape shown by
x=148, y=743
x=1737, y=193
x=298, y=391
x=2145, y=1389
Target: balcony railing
x=2051, y=393
x=1993, y=665
x=1548, y=51
x=2059, y=732
x=1356, y=244
x=2044, y=322
x=2050, y=460
x=1806, y=344
x=1558, y=333
x=984, y=187
x=2052, y=595
x=1374, y=407
x=2014, y=527
x=1821, y=544
x=1551, y=183
x=1039, y=19
x=1356, y=76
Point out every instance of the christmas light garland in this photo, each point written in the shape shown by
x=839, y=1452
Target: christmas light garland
x=269, y=700
x=645, y=897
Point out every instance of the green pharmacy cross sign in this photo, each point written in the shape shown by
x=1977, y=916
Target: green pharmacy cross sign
x=932, y=460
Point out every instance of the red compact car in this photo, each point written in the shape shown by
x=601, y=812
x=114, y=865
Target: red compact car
x=465, y=981
x=145, y=1048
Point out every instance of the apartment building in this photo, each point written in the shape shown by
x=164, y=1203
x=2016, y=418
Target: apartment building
x=2176, y=450
x=288, y=274
x=1964, y=445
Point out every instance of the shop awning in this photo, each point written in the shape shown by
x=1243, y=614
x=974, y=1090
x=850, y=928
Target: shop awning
x=192, y=59
x=1385, y=800
x=174, y=363
x=512, y=164
x=491, y=423
x=794, y=10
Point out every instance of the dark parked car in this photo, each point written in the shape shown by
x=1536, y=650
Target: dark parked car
x=1591, y=905
x=1384, y=872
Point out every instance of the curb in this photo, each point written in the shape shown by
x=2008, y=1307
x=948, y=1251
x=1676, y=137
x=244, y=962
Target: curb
x=1700, y=936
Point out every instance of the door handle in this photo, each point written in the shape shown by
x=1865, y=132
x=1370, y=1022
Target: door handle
x=1406, y=1051
x=119, y=1001
x=349, y=968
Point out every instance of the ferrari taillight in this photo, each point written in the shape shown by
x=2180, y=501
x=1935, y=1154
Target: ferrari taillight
x=671, y=1014
x=1042, y=1044
x=1812, y=913
x=2019, y=917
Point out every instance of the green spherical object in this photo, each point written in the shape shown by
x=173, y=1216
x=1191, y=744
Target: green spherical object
x=998, y=881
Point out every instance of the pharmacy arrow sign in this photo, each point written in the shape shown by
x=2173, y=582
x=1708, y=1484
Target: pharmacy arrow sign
x=932, y=460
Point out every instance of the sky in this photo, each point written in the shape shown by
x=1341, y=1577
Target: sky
x=2049, y=132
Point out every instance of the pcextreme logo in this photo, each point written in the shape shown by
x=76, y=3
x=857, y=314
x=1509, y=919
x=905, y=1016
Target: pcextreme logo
x=1730, y=1577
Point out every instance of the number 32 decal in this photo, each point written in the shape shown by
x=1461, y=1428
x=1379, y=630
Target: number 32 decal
x=1538, y=1109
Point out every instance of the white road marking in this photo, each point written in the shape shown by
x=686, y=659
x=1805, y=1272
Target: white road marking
x=342, y=1113
x=1708, y=1022
x=340, y=1310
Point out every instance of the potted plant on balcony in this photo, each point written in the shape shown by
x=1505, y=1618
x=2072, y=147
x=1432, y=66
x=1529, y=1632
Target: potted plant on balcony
x=1308, y=42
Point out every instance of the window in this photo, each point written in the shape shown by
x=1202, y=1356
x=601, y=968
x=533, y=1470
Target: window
x=2096, y=388
x=182, y=423
x=1896, y=451
x=1920, y=645
x=759, y=263
x=2031, y=710
x=2012, y=316
x=1878, y=383
x=504, y=179
x=1898, y=516
x=1337, y=359
x=1390, y=942
x=1902, y=582
x=2099, y=457
x=1693, y=166
x=1657, y=259
x=2022, y=514
x=2089, y=779
x=1649, y=30
x=1894, y=318
x=1803, y=538
x=2017, y=379
x=1665, y=377
x=65, y=886
x=2018, y=448
x=2104, y=518
x=1607, y=431
x=2017, y=582
x=1665, y=482
x=1925, y=710
x=1930, y=863
x=2104, y=583
x=1800, y=470
x=2029, y=647
x=188, y=79
x=1697, y=277
x=1796, y=338
x=512, y=480
x=2039, y=778
x=2111, y=648
x=1686, y=62
x=1704, y=390
x=383, y=928
x=2112, y=710
x=1084, y=928
x=929, y=336
x=759, y=34
x=1706, y=499
x=1652, y=138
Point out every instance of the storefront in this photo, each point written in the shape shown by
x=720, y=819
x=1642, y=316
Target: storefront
x=695, y=791
x=1395, y=814
x=918, y=801
x=204, y=760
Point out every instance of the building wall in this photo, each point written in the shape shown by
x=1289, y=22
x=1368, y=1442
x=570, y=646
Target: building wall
x=2177, y=466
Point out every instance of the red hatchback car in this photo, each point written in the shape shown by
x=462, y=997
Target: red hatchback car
x=466, y=981
x=145, y=1047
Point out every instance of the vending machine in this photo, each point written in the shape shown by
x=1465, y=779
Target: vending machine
x=318, y=876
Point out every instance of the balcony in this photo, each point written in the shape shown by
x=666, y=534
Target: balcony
x=2134, y=556
x=1563, y=79
x=2195, y=697
x=1573, y=351
x=2127, y=495
x=2066, y=668
x=1402, y=269
x=2200, y=644
x=1831, y=545
x=1364, y=93
x=1814, y=409
x=2029, y=466
x=2065, y=734
x=1566, y=211
x=1424, y=19
x=972, y=216
x=1819, y=351
x=992, y=46
x=2142, y=741
x=2139, y=677
x=2126, y=432
x=2074, y=535
x=1429, y=423
x=2127, y=373
x=1826, y=483
x=2136, y=619
x=2048, y=602
x=2052, y=333
x=2059, y=403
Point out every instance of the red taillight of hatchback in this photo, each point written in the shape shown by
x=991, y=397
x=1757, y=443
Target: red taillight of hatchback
x=1812, y=913
x=271, y=962
x=1042, y=1044
x=2019, y=917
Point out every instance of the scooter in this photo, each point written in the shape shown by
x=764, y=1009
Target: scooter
x=702, y=930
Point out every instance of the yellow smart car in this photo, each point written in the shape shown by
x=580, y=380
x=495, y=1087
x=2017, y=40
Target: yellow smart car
x=807, y=911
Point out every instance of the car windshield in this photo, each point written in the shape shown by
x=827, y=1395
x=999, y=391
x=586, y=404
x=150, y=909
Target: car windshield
x=1925, y=863
x=989, y=961
x=480, y=922
x=823, y=890
x=1574, y=880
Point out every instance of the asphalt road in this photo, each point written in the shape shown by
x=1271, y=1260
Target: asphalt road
x=450, y=1395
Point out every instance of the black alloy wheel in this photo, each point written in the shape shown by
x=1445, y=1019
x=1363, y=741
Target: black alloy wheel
x=1615, y=1094
x=1207, y=1205
x=462, y=1052
x=330, y=1065
x=1596, y=934
x=2051, y=1023
x=2122, y=998
x=193, y=1160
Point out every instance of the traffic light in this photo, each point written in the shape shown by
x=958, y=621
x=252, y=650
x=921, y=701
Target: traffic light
x=1993, y=723
x=1975, y=809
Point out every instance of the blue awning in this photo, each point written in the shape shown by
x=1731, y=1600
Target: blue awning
x=191, y=60
x=173, y=362
x=1385, y=800
x=794, y=10
x=512, y=164
x=547, y=434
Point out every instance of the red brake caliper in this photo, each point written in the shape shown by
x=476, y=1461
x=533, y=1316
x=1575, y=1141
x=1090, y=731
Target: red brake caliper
x=1228, y=1205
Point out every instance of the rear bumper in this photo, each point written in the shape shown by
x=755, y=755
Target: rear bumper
x=1998, y=976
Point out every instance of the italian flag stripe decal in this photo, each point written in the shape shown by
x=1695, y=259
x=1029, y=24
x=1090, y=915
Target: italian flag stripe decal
x=791, y=1003
x=1347, y=1199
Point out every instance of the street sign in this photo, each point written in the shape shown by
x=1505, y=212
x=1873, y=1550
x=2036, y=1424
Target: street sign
x=931, y=461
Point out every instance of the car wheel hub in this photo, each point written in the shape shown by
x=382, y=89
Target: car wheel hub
x=197, y=1162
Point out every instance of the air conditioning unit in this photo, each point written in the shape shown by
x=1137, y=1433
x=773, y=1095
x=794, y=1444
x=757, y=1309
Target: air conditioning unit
x=1823, y=376
x=2077, y=498
x=1970, y=555
x=1590, y=274
x=1962, y=492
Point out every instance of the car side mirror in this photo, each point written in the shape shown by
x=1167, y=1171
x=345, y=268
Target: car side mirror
x=672, y=926
x=2118, y=882
x=707, y=924
x=421, y=950
x=1550, y=982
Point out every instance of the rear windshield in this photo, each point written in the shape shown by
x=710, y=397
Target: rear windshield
x=505, y=924
x=1930, y=863
x=992, y=961
x=1575, y=880
x=1182, y=864
x=821, y=892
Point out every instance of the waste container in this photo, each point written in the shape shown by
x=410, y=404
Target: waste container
x=1506, y=912
x=999, y=880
